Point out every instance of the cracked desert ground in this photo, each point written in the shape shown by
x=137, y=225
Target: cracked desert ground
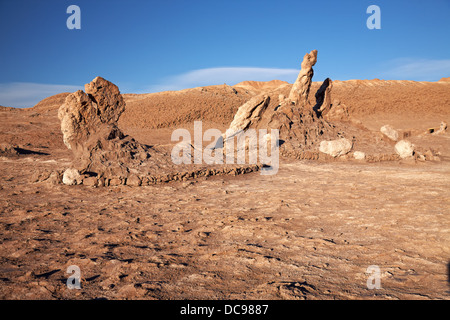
x=308, y=232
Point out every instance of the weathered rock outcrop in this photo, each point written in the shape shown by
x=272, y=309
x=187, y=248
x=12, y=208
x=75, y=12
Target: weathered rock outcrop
x=300, y=127
x=104, y=156
x=89, y=127
x=84, y=113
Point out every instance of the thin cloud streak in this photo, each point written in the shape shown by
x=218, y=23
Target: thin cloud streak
x=28, y=94
x=417, y=69
x=221, y=75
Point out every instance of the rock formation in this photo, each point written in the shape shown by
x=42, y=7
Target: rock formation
x=300, y=90
x=89, y=127
x=83, y=114
x=104, y=156
x=300, y=127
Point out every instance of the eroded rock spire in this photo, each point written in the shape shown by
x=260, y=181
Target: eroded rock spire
x=300, y=90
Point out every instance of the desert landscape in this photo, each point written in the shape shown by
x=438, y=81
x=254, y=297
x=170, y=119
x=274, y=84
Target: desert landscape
x=363, y=180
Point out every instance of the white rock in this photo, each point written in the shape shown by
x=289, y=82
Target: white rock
x=71, y=177
x=389, y=132
x=336, y=148
x=300, y=89
x=359, y=155
x=404, y=149
x=249, y=112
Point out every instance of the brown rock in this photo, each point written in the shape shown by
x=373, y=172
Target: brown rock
x=90, y=181
x=55, y=178
x=101, y=182
x=8, y=150
x=89, y=127
x=39, y=176
x=133, y=180
x=337, y=112
x=108, y=100
x=88, y=118
x=115, y=182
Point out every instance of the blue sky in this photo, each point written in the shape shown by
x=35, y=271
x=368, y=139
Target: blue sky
x=148, y=46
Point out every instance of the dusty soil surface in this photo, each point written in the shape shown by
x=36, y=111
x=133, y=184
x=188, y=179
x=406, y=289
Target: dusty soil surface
x=308, y=232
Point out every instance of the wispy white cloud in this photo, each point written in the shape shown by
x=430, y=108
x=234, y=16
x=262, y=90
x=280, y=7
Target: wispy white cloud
x=417, y=69
x=27, y=94
x=221, y=75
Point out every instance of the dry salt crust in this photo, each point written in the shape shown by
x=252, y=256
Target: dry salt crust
x=309, y=232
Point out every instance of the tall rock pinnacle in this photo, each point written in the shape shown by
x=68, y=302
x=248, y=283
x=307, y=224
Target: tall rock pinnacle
x=300, y=90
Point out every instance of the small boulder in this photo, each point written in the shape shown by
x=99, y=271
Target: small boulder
x=39, y=176
x=133, y=181
x=115, y=182
x=55, y=178
x=389, y=132
x=8, y=150
x=90, y=181
x=358, y=155
x=336, y=148
x=404, y=149
x=71, y=177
